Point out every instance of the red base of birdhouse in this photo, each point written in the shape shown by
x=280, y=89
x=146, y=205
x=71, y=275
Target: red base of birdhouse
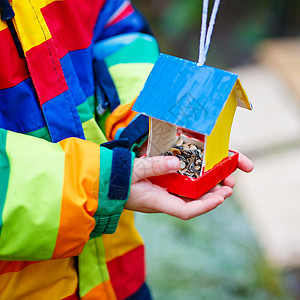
x=193, y=188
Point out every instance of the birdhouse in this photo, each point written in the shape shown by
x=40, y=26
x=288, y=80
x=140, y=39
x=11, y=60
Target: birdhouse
x=196, y=104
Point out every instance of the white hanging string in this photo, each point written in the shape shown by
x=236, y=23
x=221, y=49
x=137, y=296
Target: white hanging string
x=201, y=59
x=205, y=36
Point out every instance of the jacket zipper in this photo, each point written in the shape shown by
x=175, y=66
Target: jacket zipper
x=7, y=13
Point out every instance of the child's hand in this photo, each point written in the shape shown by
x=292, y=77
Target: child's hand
x=149, y=198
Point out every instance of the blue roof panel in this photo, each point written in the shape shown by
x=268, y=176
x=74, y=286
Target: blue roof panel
x=180, y=92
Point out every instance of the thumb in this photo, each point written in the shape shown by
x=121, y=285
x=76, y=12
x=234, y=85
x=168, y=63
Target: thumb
x=154, y=166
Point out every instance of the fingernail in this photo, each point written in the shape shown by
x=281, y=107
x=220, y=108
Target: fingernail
x=228, y=194
x=173, y=164
x=221, y=201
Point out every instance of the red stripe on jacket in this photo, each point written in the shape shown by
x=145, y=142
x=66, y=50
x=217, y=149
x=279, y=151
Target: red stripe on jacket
x=13, y=69
x=68, y=18
x=14, y=266
x=46, y=72
x=127, y=272
x=72, y=297
x=124, y=11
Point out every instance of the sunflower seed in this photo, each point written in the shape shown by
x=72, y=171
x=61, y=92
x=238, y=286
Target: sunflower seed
x=191, y=158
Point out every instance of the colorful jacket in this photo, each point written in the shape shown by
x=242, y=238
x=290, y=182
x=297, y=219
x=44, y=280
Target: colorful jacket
x=70, y=71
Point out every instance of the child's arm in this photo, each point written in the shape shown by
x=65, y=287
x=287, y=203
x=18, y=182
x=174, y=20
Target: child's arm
x=52, y=193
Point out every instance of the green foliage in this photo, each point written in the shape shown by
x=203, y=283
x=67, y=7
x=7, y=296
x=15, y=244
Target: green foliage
x=240, y=27
x=215, y=256
x=181, y=16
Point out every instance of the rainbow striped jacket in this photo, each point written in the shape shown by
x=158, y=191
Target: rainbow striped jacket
x=70, y=71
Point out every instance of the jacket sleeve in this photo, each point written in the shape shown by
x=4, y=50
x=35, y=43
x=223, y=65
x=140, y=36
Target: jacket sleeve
x=54, y=196
x=124, y=54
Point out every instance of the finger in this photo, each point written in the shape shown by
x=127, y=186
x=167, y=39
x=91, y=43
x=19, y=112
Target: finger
x=206, y=195
x=244, y=163
x=187, y=210
x=215, y=188
x=154, y=166
x=223, y=191
x=208, y=202
x=229, y=181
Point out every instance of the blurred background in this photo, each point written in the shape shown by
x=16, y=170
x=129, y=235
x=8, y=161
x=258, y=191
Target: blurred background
x=249, y=247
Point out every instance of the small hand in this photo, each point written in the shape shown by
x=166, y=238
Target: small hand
x=150, y=198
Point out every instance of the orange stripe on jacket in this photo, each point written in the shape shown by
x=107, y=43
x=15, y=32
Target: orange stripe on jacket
x=103, y=291
x=120, y=117
x=125, y=239
x=56, y=279
x=81, y=180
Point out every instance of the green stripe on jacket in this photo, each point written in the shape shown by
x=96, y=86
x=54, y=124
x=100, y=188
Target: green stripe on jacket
x=31, y=213
x=4, y=172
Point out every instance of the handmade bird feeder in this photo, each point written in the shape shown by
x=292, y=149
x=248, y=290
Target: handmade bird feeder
x=198, y=103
